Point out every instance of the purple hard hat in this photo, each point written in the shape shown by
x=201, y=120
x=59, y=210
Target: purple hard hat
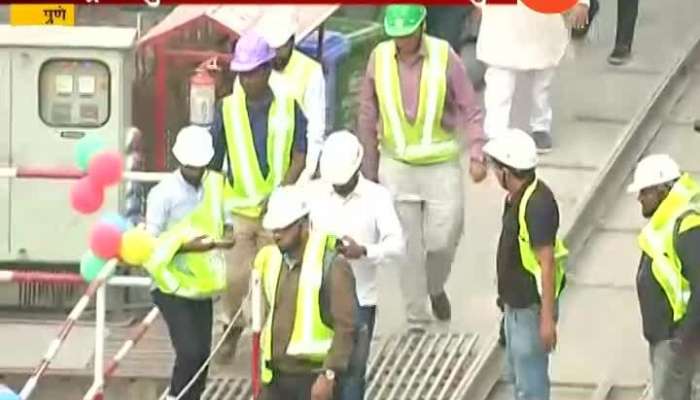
x=251, y=52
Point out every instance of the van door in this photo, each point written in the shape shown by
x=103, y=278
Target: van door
x=59, y=95
x=5, y=106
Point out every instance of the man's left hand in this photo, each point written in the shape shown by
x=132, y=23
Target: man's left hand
x=578, y=17
x=477, y=170
x=322, y=389
x=350, y=249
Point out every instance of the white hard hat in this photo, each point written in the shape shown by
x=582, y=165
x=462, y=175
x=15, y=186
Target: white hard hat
x=278, y=26
x=513, y=148
x=341, y=157
x=654, y=170
x=194, y=146
x=286, y=205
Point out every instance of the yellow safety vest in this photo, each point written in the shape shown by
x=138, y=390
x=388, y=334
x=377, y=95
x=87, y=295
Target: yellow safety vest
x=527, y=253
x=297, y=75
x=424, y=141
x=657, y=240
x=249, y=187
x=311, y=337
x=192, y=275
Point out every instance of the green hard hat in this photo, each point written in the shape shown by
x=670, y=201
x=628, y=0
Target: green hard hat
x=403, y=19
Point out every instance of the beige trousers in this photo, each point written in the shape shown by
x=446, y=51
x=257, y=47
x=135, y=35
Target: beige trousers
x=250, y=238
x=430, y=204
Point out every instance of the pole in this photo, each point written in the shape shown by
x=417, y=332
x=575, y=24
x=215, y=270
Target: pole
x=256, y=313
x=100, y=311
x=62, y=173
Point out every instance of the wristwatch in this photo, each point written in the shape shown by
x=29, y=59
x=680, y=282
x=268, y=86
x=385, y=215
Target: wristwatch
x=329, y=374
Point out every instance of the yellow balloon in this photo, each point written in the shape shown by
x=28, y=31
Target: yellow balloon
x=136, y=247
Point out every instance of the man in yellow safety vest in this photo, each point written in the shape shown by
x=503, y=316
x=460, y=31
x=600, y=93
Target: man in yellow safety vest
x=309, y=332
x=302, y=74
x=668, y=277
x=530, y=263
x=186, y=212
x=260, y=141
x=416, y=109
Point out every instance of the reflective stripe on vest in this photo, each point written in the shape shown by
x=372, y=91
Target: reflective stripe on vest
x=527, y=254
x=424, y=141
x=297, y=75
x=657, y=241
x=311, y=338
x=250, y=188
x=193, y=275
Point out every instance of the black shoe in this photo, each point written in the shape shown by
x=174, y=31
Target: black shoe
x=696, y=125
x=543, y=141
x=620, y=56
x=441, y=306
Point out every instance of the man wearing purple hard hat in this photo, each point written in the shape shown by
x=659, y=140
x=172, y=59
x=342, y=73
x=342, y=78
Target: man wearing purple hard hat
x=260, y=131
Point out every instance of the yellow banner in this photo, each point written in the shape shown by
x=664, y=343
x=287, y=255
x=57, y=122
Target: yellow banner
x=42, y=14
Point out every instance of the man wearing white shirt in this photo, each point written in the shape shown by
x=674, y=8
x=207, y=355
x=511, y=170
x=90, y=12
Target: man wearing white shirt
x=302, y=75
x=518, y=43
x=361, y=214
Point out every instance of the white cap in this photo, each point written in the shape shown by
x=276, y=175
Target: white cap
x=193, y=146
x=513, y=148
x=654, y=170
x=286, y=205
x=278, y=26
x=341, y=157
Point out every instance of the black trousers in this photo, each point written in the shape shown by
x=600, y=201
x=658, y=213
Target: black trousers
x=627, y=11
x=447, y=22
x=292, y=387
x=189, y=324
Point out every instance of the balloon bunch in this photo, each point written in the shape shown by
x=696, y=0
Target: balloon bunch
x=104, y=168
x=113, y=236
x=7, y=394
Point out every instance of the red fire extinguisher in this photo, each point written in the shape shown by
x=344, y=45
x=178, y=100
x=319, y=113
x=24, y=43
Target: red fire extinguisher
x=202, y=98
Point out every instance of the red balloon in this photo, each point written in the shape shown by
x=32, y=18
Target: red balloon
x=106, y=168
x=105, y=240
x=85, y=196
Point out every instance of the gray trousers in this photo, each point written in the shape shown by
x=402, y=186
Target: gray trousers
x=430, y=204
x=673, y=373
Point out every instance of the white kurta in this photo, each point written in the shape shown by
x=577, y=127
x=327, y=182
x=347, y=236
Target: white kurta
x=516, y=37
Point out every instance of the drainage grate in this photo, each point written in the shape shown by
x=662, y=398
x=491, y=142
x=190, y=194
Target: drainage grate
x=419, y=366
x=410, y=366
x=228, y=389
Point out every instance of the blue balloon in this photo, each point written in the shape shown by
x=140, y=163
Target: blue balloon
x=116, y=220
x=7, y=393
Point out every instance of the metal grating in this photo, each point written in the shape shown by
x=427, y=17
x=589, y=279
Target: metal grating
x=419, y=366
x=228, y=389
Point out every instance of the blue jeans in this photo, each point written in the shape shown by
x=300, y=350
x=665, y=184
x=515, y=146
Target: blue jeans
x=528, y=363
x=352, y=383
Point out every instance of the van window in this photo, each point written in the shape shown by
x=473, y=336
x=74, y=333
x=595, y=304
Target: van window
x=74, y=93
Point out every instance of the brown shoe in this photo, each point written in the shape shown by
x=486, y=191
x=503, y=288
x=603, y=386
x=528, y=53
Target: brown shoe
x=441, y=306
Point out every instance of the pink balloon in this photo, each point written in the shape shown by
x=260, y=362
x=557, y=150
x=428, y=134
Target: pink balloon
x=105, y=240
x=106, y=168
x=85, y=196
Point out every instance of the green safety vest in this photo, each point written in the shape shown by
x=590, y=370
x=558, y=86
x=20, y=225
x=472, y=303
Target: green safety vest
x=527, y=253
x=250, y=188
x=676, y=214
x=424, y=141
x=297, y=75
x=311, y=337
x=192, y=275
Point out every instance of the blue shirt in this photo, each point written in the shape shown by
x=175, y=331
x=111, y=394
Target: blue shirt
x=258, y=116
x=171, y=200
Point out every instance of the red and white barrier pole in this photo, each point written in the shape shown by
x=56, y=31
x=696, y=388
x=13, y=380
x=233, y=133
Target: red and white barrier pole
x=96, y=390
x=68, y=278
x=61, y=173
x=256, y=313
x=56, y=344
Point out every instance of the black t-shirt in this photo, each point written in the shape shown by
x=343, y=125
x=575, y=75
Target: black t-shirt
x=657, y=316
x=516, y=286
